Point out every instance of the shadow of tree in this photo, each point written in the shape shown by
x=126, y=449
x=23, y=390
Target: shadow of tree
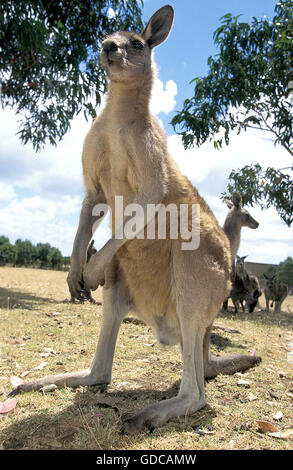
x=16, y=299
x=13, y=298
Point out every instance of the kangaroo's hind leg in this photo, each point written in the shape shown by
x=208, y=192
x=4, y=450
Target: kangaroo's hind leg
x=191, y=329
x=115, y=307
x=191, y=395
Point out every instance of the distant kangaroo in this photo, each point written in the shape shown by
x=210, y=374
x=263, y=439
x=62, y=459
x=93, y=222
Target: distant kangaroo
x=245, y=287
x=236, y=218
x=176, y=291
x=275, y=291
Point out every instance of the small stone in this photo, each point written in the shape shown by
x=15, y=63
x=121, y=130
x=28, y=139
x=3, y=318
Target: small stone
x=243, y=383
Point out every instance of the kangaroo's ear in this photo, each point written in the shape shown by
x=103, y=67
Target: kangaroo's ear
x=237, y=200
x=229, y=203
x=159, y=26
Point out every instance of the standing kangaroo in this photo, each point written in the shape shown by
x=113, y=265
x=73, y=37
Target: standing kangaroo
x=236, y=218
x=275, y=291
x=178, y=292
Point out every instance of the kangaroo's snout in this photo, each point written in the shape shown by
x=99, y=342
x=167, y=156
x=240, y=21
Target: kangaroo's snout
x=110, y=46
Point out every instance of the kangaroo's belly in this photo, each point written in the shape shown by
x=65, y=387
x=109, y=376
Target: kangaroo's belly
x=146, y=265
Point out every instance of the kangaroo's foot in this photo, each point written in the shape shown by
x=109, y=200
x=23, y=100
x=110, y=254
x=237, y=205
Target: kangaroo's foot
x=72, y=379
x=158, y=413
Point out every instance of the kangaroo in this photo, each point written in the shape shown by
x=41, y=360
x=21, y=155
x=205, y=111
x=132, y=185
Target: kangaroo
x=245, y=287
x=239, y=289
x=275, y=291
x=176, y=291
x=254, y=292
x=236, y=218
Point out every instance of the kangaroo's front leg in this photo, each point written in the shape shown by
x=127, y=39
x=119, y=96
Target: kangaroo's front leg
x=115, y=308
x=82, y=239
x=94, y=271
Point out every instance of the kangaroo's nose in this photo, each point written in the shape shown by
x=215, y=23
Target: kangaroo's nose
x=110, y=46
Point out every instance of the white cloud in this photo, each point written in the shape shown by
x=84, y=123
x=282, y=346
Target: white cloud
x=53, y=171
x=163, y=97
x=6, y=193
x=111, y=13
x=52, y=179
x=41, y=220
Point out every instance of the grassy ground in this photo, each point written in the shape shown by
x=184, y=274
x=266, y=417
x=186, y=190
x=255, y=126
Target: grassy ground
x=34, y=315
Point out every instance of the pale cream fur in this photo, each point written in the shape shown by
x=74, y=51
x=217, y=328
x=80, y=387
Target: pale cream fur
x=177, y=292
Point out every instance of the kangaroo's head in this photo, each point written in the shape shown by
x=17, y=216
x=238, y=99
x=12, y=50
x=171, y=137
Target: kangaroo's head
x=126, y=55
x=271, y=281
x=240, y=266
x=240, y=215
x=240, y=261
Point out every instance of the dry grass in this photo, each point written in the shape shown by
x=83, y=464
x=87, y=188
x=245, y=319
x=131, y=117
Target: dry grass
x=34, y=316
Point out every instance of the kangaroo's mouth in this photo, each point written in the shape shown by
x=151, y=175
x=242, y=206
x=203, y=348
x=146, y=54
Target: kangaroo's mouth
x=107, y=60
x=111, y=63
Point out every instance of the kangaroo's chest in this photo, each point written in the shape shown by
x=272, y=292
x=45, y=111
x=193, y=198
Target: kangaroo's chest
x=117, y=167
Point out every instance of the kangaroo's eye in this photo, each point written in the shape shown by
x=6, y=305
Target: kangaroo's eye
x=137, y=44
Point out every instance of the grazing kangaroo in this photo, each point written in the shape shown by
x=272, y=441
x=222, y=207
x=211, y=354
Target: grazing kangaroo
x=254, y=292
x=245, y=287
x=176, y=291
x=236, y=218
x=275, y=291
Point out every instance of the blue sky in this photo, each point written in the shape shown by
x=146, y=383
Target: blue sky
x=41, y=194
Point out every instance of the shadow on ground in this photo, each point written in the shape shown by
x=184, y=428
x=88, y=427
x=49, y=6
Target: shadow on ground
x=13, y=298
x=16, y=299
x=87, y=418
